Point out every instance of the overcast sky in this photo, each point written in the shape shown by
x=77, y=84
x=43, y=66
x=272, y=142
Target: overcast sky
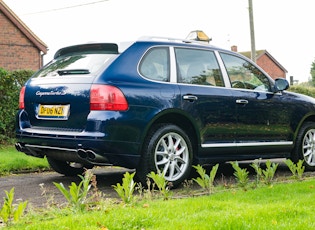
x=284, y=28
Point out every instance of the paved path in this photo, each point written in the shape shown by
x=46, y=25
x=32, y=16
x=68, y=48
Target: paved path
x=38, y=188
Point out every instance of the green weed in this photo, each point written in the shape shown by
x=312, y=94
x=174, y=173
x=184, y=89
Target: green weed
x=241, y=175
x=162, y=184
x=296, y=169
x=77, y=194
x=256, y=166
x=269, y=173
x=10, y=212
x=206, y=181
x=126, y=189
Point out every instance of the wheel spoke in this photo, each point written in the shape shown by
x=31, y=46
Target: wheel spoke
x=166, y=167
x=172, y=156
x=170, y=142
x=180, y=151
x=171, y=170
x=162, y=157
x=177, y=167
x=309, y=159
x=178, y=141
x=307, y=153
x=164, y=145
x=162, y=162
x=308, y=147
x=180, y=160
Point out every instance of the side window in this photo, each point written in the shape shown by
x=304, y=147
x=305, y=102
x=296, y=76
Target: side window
x=244, y=75
x=155, y=65
x=198, y=67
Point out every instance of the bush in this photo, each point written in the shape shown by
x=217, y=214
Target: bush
x=10, y=85
x=306, y=90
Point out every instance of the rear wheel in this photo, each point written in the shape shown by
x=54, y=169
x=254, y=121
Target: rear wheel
x=66, y=168
x=168, y=150
x=305, y=146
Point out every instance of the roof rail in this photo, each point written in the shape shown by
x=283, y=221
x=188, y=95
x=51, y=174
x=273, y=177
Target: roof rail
x=167, y=39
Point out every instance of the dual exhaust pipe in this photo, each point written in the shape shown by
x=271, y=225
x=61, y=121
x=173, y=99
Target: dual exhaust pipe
x=19, y=147
x=28, y=151
x=86, y=155
x=91, y=156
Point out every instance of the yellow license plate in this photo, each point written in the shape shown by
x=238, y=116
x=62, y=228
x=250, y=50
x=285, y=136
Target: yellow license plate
x=53, y=111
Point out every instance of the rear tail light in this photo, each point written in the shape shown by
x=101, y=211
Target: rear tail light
x=107, y=97
x=21, y=99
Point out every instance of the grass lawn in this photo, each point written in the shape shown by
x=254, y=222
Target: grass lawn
x=289, y=204
x=14, y=161
x=280, y=206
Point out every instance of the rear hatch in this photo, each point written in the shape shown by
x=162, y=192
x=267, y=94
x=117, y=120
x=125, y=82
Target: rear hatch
x=58, y=96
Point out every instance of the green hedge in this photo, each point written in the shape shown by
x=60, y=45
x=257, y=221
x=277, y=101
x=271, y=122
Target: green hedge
x=10, y=85
x=306, y=90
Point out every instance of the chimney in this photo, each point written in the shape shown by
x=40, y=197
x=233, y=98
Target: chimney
x=234, y=48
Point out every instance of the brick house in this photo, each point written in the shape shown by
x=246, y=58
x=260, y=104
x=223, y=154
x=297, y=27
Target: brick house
x=267, y=62
x=20, y=48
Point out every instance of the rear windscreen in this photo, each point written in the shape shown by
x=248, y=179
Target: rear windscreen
x=77, y=64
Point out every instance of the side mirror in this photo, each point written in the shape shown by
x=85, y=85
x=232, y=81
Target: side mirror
x=281, y=84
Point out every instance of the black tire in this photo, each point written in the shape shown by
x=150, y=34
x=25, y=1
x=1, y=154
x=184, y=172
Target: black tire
x=65, y=168
x=305, y=146
x=167, y=149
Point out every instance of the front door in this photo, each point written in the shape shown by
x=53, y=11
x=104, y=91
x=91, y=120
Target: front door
x=262, y=116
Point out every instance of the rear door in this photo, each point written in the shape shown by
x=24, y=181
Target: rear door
x=206, y=99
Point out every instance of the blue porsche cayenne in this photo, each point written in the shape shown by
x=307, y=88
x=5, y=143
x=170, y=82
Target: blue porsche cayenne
x=160, y=105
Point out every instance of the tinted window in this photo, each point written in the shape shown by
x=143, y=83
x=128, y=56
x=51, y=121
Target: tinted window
x=75, y=64
x=155, y=64
x=244, y=75
x=198, y=67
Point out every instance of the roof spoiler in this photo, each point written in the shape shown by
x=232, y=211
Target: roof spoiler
x=107, y=48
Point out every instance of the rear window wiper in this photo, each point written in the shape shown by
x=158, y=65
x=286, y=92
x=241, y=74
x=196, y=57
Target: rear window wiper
x=73, y=71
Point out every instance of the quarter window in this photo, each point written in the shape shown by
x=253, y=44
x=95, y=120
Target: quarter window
x=198, y=67
x=155, y=65
x=244, y=75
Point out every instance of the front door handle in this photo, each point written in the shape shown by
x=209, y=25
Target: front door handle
x=241, y=101
x=190, y=98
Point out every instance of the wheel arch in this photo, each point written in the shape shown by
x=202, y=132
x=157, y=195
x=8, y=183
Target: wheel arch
x=182, y=120
x=310, y=118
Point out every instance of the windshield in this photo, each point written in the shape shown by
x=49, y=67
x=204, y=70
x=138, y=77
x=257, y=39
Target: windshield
x=79, y=64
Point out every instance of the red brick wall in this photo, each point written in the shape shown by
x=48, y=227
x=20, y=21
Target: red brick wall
x=16, y=50
x=270, y=67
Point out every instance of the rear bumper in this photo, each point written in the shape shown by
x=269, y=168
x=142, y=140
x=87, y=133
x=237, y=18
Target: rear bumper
x=82, y=147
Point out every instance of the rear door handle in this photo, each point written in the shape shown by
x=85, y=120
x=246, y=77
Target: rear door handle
x=241, y=101
x=190, y=98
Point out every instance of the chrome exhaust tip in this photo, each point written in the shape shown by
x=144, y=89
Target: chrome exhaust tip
x=91, y=157
x=18, y=147
x=82, y=153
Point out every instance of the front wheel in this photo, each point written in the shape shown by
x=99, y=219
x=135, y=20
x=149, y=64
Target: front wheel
x=167, y=150
x=305, y=146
